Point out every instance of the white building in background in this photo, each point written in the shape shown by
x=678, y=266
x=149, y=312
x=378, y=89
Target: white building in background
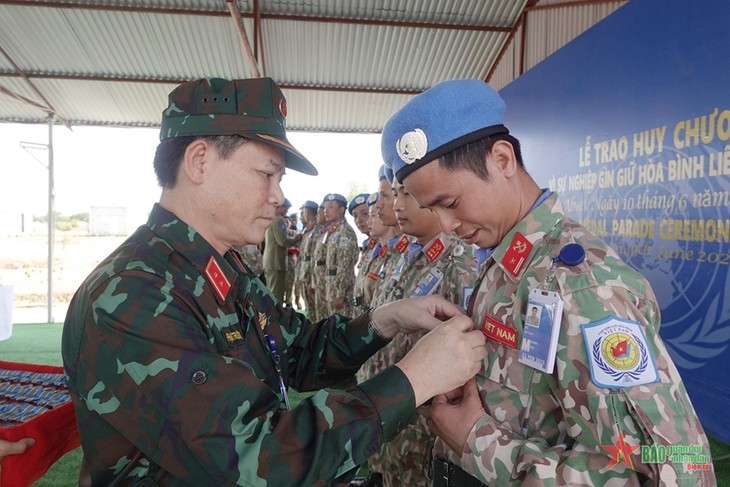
x=108, y=220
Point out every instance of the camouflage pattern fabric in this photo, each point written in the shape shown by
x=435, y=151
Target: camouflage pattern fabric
x=319, y=271
x=367, y=276
x=391, y=268
x=253, y=258
x=405, y=460
x=172, y=380
x=340, y=259
x=306, y=265
x=563, y=429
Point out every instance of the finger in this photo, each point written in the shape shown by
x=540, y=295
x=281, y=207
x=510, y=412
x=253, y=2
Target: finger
x=461, y=323
x=443, y=309
x=439, y=399
x=16, y=448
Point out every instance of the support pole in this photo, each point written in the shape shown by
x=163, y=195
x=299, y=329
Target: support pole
x=51, y=217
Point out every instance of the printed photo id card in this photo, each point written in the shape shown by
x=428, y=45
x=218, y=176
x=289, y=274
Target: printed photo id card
x=541, y=330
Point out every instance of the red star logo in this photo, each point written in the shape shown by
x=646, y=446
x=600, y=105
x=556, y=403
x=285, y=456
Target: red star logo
x=620, y=452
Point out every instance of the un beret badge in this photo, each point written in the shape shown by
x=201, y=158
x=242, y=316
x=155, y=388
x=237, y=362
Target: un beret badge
x=412, y=146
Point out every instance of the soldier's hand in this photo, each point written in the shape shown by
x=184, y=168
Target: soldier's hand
x=444, y=359
x=414, y=314
x=452, y=415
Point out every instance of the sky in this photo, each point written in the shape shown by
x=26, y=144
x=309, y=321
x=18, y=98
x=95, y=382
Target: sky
x=105, y=166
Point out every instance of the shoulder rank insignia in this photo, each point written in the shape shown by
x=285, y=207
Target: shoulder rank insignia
x=434, y=250
x=402, y=244
x=217, y=279
x=516, y=254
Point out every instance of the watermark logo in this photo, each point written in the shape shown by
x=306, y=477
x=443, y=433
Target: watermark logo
x=691, y=456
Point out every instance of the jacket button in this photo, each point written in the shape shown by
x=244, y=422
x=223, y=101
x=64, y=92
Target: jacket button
x=199, y=377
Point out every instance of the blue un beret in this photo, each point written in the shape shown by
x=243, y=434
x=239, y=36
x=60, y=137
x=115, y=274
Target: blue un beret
x=372, y=199
x=358, y=200
x=311, y=205
x=439, y=120
x=286, y=203
x=335, y=197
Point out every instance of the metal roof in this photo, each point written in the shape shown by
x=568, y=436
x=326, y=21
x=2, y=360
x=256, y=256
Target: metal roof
x=344, y=66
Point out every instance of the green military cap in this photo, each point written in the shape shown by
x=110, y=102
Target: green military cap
x=253, y=108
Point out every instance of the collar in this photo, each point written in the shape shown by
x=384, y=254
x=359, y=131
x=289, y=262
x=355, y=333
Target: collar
x=219, y=271
x=535, y=226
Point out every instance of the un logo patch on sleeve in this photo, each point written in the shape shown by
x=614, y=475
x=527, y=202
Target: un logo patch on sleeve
x=618, y=354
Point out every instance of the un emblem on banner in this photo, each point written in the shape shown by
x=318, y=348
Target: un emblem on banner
x=619, y=354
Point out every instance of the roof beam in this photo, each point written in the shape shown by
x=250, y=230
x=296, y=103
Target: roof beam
x=50, y=109
x=575, y=3
x=176, y=81
x=263, y=16
x=235, y=12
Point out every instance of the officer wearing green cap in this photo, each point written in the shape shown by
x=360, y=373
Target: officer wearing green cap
x=573, y=400
x=179, y=360
x=277, y=239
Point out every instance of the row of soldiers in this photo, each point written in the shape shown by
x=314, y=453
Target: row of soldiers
x=406, y=254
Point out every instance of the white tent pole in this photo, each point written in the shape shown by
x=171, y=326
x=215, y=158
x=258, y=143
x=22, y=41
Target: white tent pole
x=51, y=218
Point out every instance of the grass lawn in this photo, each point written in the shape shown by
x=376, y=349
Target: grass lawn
x=41, y=344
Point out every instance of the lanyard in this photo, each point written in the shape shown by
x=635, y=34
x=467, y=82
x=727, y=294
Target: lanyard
x=277, y=365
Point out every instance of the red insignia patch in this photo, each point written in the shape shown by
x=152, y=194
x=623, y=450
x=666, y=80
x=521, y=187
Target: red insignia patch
x=371, y=243
x=517, y=253
x=436, y=248
x=383, y=250
x=499, y=332
x=402, y=244
x=217, y=279
x=373, y=275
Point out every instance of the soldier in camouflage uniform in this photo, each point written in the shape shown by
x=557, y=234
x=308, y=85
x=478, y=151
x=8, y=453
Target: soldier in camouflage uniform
x=398, y=243
x=178, y=359
x=319, y=259
x=340, y=256
x=306, y=249
x=612, y=388
x=253, y=258
x=434, y=263
x=368, y=277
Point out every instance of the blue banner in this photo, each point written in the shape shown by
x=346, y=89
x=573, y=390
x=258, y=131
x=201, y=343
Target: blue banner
x=630, y=124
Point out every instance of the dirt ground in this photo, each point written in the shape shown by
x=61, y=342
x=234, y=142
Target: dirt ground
x=24, y=265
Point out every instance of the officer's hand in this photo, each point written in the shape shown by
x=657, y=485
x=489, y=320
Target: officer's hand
x=444, y=359
x=409, y=315
x=452, y=415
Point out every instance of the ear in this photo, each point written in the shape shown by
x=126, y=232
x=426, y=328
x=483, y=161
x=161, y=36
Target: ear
x=195, y=160
x=503, y=157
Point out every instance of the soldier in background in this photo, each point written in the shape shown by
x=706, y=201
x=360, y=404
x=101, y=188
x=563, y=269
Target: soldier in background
x=341, y=254
x=434, y=263
x=276, y=242
x=358, y=210
x=253, y=258
x=319, y=256
x=398, y=243
x=292, y=261
x=575, y=403
x=373, y=258
x=310, y=232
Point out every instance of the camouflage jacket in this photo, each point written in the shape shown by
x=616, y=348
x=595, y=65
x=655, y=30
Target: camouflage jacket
x=367, y=276
x=172, y=377
x=390, y=269
x=341, y=253
x=445, y=256
x=306, y=249
x=568, y=427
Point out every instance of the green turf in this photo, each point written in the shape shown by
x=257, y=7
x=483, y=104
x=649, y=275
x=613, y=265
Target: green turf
x=41, y=344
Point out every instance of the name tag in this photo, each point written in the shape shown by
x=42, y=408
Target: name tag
x=499, y=332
